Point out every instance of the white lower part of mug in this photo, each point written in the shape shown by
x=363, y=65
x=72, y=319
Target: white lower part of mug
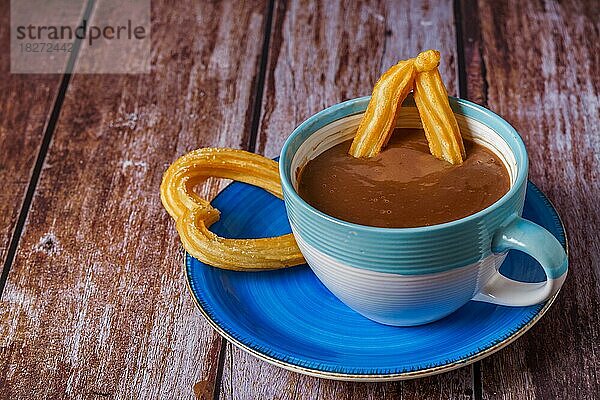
x=401, y=300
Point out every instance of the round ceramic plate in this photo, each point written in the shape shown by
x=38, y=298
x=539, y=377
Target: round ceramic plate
x=288, y=318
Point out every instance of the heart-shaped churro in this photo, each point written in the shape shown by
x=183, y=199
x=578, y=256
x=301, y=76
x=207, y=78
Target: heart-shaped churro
x=194, y=215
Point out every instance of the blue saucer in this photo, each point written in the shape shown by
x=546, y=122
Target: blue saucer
x=288, y=318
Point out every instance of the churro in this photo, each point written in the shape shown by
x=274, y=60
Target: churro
x=431, y=98
x=379, y=121
x=439, y=122
x=194, y=215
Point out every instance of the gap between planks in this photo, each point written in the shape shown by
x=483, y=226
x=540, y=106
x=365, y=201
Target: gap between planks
x=251, y=147
x=462, y=40
x=262, y=72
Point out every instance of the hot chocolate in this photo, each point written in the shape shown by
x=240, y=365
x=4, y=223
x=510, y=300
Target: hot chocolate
x=404, y=186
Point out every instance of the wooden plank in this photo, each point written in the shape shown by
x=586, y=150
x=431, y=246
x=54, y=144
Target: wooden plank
x=322, y=53
x=23, y=120
x=96, y=303
x=540, y=66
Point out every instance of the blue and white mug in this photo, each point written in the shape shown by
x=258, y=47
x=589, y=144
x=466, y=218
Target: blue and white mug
x=412, y=276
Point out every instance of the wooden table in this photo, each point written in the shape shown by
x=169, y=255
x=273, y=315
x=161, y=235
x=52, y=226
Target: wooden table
x=94, y=302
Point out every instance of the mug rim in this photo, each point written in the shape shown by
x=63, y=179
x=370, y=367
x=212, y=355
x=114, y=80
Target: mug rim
x=355, y=106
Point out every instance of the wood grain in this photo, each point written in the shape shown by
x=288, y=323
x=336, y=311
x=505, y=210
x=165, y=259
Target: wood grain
x=96, y=304
x=322, y=53
x=540, y=65
x=23, y=120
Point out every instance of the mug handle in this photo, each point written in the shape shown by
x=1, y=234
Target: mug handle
x=521, y=234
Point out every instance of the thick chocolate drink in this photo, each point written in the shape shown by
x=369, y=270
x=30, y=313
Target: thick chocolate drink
x=404, y=186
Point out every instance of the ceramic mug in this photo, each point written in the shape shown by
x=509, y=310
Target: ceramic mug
x=412, y=276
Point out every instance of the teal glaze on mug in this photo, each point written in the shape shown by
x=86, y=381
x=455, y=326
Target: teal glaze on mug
x=411, y=276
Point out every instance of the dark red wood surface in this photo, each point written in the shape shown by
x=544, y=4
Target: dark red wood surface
x=26, y=104
x=80, y=317
x=538, y=66
x=96, y=304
